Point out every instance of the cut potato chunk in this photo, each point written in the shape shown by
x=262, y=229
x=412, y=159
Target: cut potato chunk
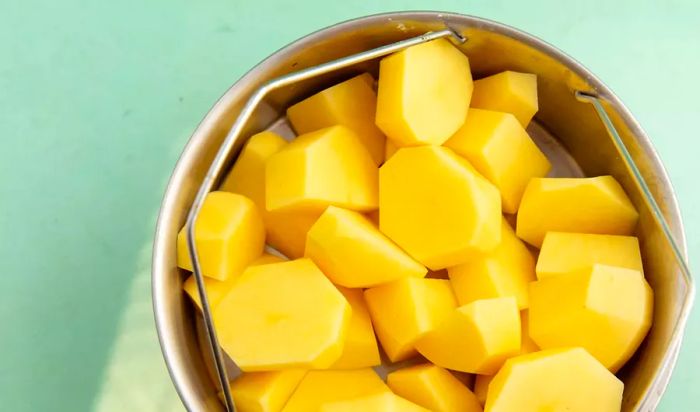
x=502, y=151
x=286, y=231
x=587, y=205
x=567, y=252
x=424, y=92
x=318, y=388
x=436, y=207
x=217, y=289
x=510, y=92
x=264, y=391
x=403, y=310
x=567, y=379
x=475, y=338
x=353, y=253
x=505, y=271
x=351, y=103
x=434, y=388
x=229, y=234
x=604, y=309
x=383, y=402
x=326, y=167
x=291, y=303
x=360, y=349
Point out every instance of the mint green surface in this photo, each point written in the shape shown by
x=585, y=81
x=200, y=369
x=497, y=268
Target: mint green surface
x=97, y=99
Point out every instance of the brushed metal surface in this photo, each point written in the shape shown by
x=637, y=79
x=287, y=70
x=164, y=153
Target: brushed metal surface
x=491, y=47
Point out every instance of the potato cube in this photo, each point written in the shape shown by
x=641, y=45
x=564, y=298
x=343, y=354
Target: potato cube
x=286, y=231
x=229, y=234
x=326, y=167
x=217, y=289
x=352, y=103
x=284, y=315
x=383, y=402
x=568, y=252
x=587, y=205
x=475, y=338
x=318, y=388
x=434, y=388
x=567, y=379
x=453, y=210
x=604, y=309
x=264, y=391
x=404, y=309
x=424, y=92
x=360, y=349
x=501, y=150
x=505, y=271
x=510, y=92
x=353, y=253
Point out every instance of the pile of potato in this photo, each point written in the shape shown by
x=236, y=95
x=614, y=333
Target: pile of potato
x=392, y=210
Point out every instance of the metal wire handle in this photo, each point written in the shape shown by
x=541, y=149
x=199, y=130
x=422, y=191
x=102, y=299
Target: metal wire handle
x=219, y=162
x=224, y=152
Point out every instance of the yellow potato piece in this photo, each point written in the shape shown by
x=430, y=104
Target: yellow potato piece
x=353, y=253
x=567, y=252
x=481, y=387
x=527, y=345
x=352, y=103
x=434, y=388
x=321, y=387
x=284, y=315
x=229, y=234
x=424, y=93
x=604, y=309
x=326, y=167
x=383, y=402
x=286, y=231
x=510, y=92
x=501, y=150
x=360, y=349
x=264, y=391
x=404, y=309
x=390, y=149
x=436, y=207
x=587, y=205
x=566, y=379
x=217, y=289
x=505, y=271
x=475, y=338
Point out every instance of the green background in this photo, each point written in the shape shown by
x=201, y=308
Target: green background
x=98, y=98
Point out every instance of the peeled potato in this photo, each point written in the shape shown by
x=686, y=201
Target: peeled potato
x=585, y=205
x=424, y=92
x=353, y=253
x=434, y=388
x=229, y=234
x=557, y=380
x=290, y=302
x=351, y=103
x=404, y=309
x=453, y=210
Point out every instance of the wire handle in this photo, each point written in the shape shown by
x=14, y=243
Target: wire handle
x=219, y=162
x=656, y=212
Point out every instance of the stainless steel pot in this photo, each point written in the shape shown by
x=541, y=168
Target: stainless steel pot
x=491, y=47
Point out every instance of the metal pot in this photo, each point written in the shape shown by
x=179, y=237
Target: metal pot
x=491, y=47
